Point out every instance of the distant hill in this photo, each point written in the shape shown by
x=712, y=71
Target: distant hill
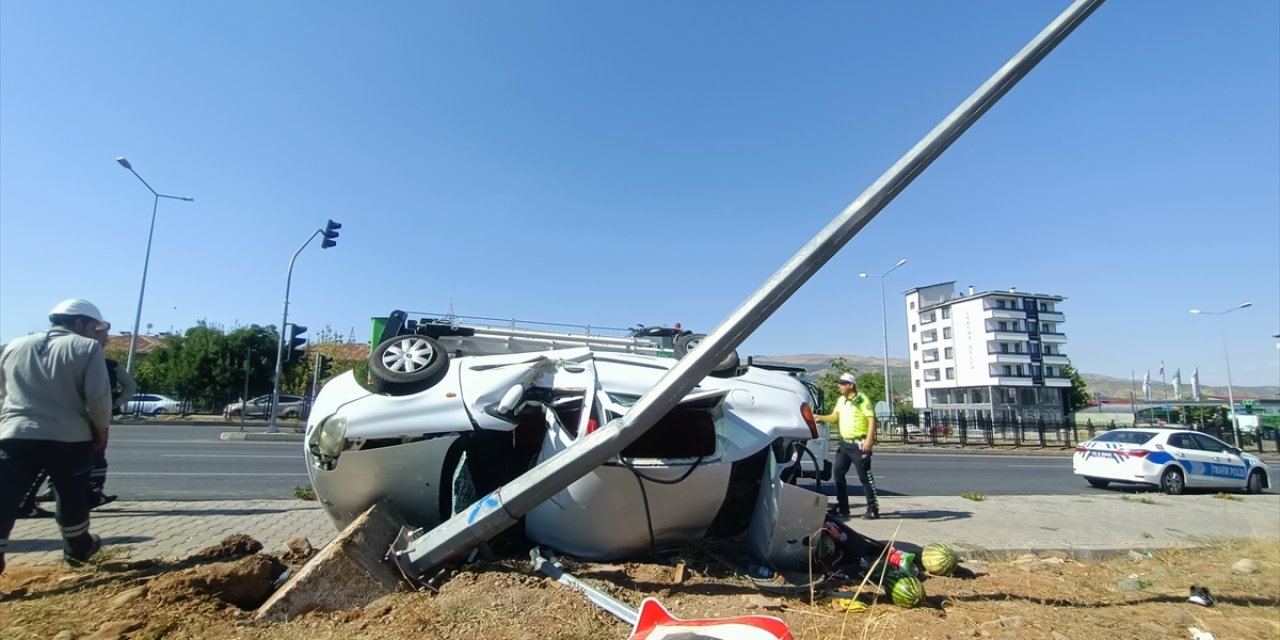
x=1112, y=389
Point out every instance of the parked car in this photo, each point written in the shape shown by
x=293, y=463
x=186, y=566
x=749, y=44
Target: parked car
x=260, y=407
x=154, y=404
x=1171, y=459
x=437, y=429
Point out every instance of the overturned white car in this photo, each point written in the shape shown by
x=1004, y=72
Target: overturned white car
x=453, y=411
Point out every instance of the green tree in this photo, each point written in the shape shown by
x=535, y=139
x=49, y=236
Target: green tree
x=1077, y=397
x=871, y=384
x=207, y=366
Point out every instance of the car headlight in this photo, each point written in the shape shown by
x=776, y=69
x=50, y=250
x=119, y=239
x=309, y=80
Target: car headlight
x=332, y=437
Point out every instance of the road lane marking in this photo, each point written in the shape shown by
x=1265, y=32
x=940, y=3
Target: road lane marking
x=205, y=473
x=197, y=455
x=1034, y=466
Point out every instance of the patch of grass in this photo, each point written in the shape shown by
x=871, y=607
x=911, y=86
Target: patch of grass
x=111, y=553
x=1141, y=499
x=1222, y=495
x=303, y=492
x=973, y=495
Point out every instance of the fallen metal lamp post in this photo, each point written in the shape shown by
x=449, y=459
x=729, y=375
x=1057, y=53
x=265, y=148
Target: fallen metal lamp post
x=417, y=554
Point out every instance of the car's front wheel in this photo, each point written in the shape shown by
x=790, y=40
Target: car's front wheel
x=1097, y=482
x=159, y=411
x=1172, y=481
x=1254, y=485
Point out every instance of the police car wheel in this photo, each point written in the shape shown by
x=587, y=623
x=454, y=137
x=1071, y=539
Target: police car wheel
x=1172, y=481
x=1097, y=482
x=1255, y=483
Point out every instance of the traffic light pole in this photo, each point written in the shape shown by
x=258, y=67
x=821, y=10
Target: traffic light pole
x=272, y=427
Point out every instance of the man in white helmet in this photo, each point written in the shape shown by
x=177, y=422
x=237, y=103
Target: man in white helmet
x=56, y=411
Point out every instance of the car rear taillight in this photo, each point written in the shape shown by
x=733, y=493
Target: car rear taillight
x=1081, y=449
x=807, y=413
x=1137, y=453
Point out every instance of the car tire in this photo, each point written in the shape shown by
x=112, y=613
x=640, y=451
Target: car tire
x=690, y=341
x=1254, y=484
x=1097, y=482
x=159, y=411
x=407, y=364
x=1172, y=482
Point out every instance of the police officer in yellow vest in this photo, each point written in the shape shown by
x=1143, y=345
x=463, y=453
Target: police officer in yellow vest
x=856, y=415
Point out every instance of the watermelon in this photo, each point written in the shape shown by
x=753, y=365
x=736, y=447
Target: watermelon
x=939, y=559
x=907, y=592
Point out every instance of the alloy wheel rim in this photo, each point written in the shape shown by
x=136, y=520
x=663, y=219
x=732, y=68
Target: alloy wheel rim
x=408, y=356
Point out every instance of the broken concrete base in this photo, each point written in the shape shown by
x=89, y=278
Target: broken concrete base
x=349, y=572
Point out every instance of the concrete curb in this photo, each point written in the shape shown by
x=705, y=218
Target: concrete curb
x=251, y=436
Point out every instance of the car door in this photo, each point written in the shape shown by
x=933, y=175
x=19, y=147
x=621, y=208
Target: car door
x=1195, y=461
x=1226, y=467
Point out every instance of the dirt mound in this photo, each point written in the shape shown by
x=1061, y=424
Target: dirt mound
x=245, y=583
x=1141, y=596
x=233, y=546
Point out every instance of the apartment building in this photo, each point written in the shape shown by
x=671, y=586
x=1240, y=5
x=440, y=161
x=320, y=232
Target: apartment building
x=987, y=356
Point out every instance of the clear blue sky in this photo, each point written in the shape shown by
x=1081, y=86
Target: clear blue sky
x=621, y=163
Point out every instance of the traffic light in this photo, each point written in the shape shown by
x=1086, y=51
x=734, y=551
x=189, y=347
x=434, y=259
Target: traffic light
x=296, y=341
x=330, y=233
x=324, y=367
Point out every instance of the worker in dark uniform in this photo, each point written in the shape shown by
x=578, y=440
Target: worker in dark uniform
x=56, y=411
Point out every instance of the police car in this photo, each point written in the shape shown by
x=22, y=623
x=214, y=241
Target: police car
x=1171, y=459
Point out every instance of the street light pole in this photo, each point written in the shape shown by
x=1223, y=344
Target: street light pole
x=884, y=331
x=146, y=261
x=1231, y=399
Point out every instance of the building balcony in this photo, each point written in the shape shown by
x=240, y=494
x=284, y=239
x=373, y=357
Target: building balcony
x=1011, y=314
x=1056, y=381
x=1055, y=359
x=1053, y=337
x=1010, y=357
x=1012, y=381
x=1052, y=316
x=1016, y=336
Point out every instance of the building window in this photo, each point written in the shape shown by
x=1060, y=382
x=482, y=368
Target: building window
x=1048, y=372
x=929, y=336
x=1017, y=347
x=931, y=355
x=1044, y=307
x=914, y=345
x=951, y=373
x=949, y=353
x=999, y=304
x=917, y=363
x=1020, y=370
x=946, y=312
x=930, y=375
x=1004, y=348
x=917, y=384
x=913, y=328
x=928, y=318
x=1007, y=370
x=1002, y=326
x=946, y=332
x=911, y=305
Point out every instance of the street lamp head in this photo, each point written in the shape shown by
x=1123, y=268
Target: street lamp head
x=900, y=263
x=862, y=275
x=1245, y=305
x=124, y=163
x=1196, y=312
x=186, y=199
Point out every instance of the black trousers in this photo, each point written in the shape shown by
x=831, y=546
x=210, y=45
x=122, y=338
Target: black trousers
x=69, y=465
x=850, y=454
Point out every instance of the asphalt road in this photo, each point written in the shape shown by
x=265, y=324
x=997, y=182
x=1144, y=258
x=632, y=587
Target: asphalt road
x=191, y=463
